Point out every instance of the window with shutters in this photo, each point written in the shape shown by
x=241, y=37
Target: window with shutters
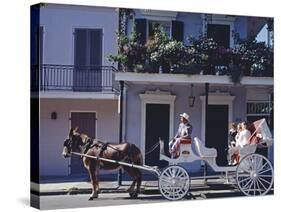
x=88, y=47
x=164, y=26
x=87, y=75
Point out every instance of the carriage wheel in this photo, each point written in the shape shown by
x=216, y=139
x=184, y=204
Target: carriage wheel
x=254, y=175
x=174, y=182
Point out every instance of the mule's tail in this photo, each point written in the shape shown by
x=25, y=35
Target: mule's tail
x=136, y=155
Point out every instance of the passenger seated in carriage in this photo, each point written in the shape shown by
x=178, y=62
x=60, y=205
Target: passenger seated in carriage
x=242, y=138
x=232, y=134
x=183, y=134
x=231, y=140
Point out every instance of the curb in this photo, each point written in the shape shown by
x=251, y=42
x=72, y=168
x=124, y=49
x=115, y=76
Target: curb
x=76, y=191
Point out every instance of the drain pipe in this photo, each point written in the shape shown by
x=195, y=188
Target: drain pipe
x=121, y=83
x=206, y=117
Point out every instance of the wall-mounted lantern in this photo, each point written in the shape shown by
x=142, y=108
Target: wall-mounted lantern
x=54, y=115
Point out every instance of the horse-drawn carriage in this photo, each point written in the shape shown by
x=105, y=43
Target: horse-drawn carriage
x=253, y=174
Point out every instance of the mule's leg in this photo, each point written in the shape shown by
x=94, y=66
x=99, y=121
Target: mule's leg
x=138, y=179
x=132, y=186
x=131, y=174
x=136, y=175
x=97, y=177
x=92, y=172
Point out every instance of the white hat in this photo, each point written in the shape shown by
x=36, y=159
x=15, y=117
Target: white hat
x=185, y=116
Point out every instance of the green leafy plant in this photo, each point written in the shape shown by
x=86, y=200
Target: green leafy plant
x=131, y=53
x=204, y=53
x=255, y=58
x=248, y=58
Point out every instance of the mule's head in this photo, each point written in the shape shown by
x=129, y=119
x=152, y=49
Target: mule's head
x=72, y=143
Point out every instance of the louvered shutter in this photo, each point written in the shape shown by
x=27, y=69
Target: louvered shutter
x=141, y=29
x=177, y=30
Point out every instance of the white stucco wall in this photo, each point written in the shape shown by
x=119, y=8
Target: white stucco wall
x=133, y=124
x=60, y=21
x=258, y=94
x=193, y=25
x=53, y=132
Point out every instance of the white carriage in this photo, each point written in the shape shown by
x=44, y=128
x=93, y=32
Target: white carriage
x=253, y=174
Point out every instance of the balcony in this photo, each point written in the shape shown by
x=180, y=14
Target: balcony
x=50, y=77
x=202, y=56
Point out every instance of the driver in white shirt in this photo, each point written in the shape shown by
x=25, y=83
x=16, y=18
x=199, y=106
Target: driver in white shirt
x=184, y=132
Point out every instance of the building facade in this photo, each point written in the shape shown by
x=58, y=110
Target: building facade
x=80, y=87
x=76, y=80
x=154, y=101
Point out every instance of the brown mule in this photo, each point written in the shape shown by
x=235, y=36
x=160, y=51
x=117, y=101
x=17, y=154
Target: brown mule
x=124, y=152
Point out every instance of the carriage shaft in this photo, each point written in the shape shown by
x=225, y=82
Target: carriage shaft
x=146, y=168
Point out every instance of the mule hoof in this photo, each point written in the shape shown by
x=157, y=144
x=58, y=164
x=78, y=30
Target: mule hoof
x=93, y=197
x=134, y=194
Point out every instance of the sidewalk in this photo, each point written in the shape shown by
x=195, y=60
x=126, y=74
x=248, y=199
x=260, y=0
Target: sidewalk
x=147, y=187
x=86, y=187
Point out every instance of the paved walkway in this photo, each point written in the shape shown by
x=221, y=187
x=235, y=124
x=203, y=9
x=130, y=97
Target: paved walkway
x=109, y=186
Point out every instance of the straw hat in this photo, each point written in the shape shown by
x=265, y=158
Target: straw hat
x=185, y=116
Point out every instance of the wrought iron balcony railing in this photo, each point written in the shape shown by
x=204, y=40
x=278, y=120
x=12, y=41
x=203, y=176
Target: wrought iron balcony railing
x=72, y=78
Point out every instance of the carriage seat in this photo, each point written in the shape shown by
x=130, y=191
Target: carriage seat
x=203, y=151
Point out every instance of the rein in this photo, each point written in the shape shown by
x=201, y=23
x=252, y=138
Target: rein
x=152, y=148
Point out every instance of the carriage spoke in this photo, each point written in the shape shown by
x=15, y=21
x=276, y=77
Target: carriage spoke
x=244, y=175
x=259, y=189
x=179, y=173
x=264, y=165
x=264, y=180
x=261, y=184
x=165, y=180
x=259, y=164
x=254, y=167
x=254, y=187
x=244, y=170
x=250, y=186
x=245, y=179
x=265, y=175
x=265, y=171
x=246, y=185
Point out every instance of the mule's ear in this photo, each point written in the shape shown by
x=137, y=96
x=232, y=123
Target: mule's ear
x=71, y=132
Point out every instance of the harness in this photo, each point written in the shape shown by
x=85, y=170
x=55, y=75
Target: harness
x=90, y=143
x=103, y=148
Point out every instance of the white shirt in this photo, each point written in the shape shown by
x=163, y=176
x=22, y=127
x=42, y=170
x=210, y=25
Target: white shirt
x=184, y=130
x=243, y=138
